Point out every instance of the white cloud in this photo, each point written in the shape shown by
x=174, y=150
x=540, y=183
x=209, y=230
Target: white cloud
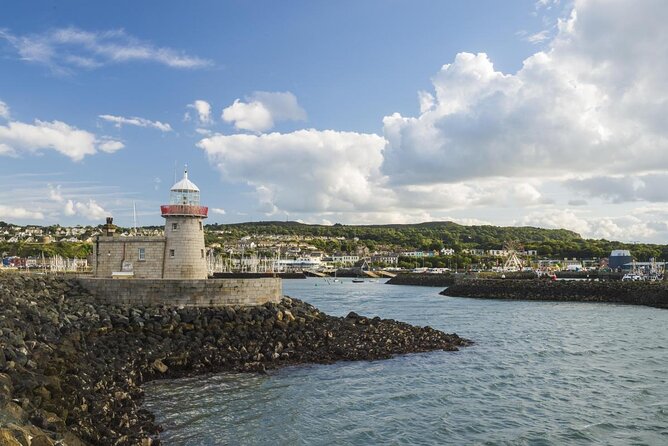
x=63, y=138
x=7, y=212
x=626, y=228
x=69, y=208
x=594, y=102
x=204, y=132
x=55, y=193
x=139, y=122
x=539, y=37
x=218, y=211
x=110, y=146
x=306, y=170
x=89, y=210
x=4, y=110
x=252, y=116
x=65, y=50
x=203, y=110
x=282, y=105
x=557, y=219
x=651, y=187
x=262, y=110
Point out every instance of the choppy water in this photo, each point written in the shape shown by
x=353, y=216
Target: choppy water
x=541, y=373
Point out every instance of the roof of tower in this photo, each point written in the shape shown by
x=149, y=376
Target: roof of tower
x=185, y=184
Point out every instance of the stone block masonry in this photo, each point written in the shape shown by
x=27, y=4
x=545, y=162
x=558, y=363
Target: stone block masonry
x=186, y=293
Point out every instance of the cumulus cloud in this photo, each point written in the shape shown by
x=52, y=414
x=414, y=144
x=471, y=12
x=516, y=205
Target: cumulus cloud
x=66, y=50
x=306, y=170
x=591, y=103
x=119, y=121
x=626, y=228
x=203, y=110
x=7, y=212
x=16, y=137
x=252, y=116
x=262, y=110
x=218, y=211
x=89, y=210
x=4, y=110
x=489, y=192
x=619, y=189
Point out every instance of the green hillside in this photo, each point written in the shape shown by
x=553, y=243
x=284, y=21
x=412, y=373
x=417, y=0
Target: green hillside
x=557, y=243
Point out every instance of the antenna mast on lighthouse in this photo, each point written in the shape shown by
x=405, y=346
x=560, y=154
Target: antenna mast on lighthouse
x=134, y=215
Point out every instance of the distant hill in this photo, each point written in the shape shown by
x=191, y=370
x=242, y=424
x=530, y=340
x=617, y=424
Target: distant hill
x=552, y=243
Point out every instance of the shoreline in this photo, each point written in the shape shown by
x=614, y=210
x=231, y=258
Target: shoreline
x=651, y=294
x=71, y=368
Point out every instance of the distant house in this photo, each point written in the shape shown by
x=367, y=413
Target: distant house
x=345, y=258
x=474, y=251
x=389, y=259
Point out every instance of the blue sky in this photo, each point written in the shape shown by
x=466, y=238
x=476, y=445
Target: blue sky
x=513, y=113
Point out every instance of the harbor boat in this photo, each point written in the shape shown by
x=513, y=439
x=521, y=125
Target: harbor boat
x=358, y=280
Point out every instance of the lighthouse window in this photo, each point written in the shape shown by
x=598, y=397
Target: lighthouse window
x=142, y=253
x=175, y=226
x=171, y=253
x=200, y=225
x=202, y=252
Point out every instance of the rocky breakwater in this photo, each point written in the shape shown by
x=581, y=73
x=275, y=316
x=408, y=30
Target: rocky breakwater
x=71, y=369
x=422, y=279
x=653, y=294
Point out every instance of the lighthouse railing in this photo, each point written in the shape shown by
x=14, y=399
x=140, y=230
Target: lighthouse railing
x=184, y=209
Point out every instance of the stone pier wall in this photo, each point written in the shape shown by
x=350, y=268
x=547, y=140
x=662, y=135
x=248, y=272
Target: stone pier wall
x=653, y=294
x=422, y=279
x=188, y=293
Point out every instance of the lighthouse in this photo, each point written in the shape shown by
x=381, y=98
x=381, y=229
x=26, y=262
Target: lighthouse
x=184, y=256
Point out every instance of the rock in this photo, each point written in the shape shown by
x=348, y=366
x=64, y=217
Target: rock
x=7, y=438
x=69, y=439
x=42, y=440
x=47, y=420
x=160, y=366
x=14, y=412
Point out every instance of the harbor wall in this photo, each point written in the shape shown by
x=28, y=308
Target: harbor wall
x=186, y=293
x=422, y=279
x=258, y=275
x=653, y=294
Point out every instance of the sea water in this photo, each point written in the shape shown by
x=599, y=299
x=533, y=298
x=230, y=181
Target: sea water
x=540, y=373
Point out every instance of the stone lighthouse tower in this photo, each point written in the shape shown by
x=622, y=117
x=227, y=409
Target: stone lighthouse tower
x=184, y=233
